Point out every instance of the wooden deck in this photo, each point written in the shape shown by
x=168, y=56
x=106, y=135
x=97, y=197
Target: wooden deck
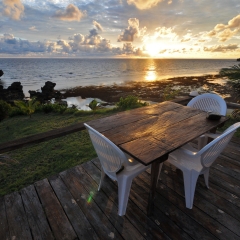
x=68, y=206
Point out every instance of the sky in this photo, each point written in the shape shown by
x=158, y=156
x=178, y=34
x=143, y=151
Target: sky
x=120, y=28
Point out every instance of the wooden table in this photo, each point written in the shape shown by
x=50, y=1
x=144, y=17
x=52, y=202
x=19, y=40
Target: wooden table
x=150, y=133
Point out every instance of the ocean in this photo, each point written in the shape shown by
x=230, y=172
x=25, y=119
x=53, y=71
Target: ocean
x=68, y=72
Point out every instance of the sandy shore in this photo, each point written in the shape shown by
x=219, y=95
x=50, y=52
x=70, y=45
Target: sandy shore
x=153, y=91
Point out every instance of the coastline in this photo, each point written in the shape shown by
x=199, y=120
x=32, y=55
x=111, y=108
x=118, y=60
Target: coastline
x=153, y=90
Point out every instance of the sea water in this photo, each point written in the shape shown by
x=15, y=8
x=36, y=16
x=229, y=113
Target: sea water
x=68, y=72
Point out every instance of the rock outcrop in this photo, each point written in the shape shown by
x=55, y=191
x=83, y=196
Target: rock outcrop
x=13, y=92
x=47, y=93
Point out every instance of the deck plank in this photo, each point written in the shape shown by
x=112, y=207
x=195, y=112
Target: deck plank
x=68, y=206
x=17, y=219
x=138, y=218
x=221, y=224
x=78, y=220
x=140, y=198
x=122, y=224
x=99, y=221
x=36, y=218
x=61, y=227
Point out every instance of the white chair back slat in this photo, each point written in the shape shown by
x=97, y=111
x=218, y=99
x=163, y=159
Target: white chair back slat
x=209, y=102
x=213, y=149
x=110, y=156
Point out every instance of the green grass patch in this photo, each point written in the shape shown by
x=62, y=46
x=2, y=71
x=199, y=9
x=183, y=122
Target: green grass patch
x=27, y=165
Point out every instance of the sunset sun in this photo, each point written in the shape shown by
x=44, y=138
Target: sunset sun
x=152, y=49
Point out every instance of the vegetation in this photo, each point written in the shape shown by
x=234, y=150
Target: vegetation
x=169, y=93
x=130, y=102
x=4, y=109
x=24, y=166
x=27, y=107
x=27, y=165
x=233, y=74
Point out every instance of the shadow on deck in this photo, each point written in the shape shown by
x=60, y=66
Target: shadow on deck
x=68, y=206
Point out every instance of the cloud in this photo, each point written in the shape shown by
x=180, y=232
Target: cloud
x=145, y=4
x=98, y=26
x=33, y=28
x=13, y=9
x=130, y=32
x=221, y=48
x=71, y=13
x=11, y=45
x=225, y=32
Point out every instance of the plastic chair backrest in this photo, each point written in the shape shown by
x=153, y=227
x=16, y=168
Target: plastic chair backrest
x=213, y=149
x=110, y=156
x=209, y=102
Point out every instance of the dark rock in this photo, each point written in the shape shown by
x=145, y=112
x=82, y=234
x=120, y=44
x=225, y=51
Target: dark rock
x=12, y=93
x=47, y=93
x=1, y=72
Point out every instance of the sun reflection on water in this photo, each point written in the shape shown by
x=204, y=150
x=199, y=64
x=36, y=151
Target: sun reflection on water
x=151, y=73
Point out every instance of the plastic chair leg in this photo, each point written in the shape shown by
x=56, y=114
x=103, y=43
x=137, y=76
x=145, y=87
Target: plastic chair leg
x=124, y=187
x=102, y=177
x=206, y=176
x=190, y=180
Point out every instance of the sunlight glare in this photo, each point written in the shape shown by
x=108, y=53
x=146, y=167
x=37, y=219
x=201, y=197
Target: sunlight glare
x=153, y=49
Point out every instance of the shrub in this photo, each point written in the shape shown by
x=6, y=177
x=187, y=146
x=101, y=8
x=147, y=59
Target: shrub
x=169, y=93
x=4, y=109
x=130, y=102
x=27, y=107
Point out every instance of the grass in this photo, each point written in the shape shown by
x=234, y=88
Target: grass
x=27, y=165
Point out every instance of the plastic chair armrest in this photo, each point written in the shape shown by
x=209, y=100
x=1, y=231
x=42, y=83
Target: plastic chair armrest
x=212, y=135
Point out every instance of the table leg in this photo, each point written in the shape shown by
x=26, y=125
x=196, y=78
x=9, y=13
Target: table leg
x=154, y=179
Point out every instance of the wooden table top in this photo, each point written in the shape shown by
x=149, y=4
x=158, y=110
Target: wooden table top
x=151, y=132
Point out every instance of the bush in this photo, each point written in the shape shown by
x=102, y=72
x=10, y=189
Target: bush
x=169, y=93
x=4, y=109
x=130, y=102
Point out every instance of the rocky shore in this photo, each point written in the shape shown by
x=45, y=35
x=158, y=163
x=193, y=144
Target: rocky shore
x=153, y=91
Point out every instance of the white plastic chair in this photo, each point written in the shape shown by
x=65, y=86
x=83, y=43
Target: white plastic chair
x=117, y=165
x=208, y=102
x=193, y=162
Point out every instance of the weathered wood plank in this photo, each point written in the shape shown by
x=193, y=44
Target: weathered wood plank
x=61, y=227
x=41, y=137
x=140, y=221
x=132, y=116
x=36, y=218
x=182, y=220
x=16, y=216
x=110, y=209
x=148, y=126
x=172, y=180
x=168, y=191
x=225, y=181
x=75, y=215
x=139, y=197
x=100, y=223
x=4, y=232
